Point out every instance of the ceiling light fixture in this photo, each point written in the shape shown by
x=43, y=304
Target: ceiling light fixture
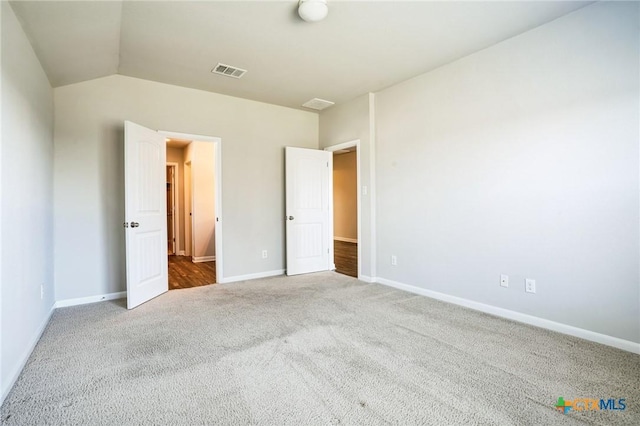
x=313, y=10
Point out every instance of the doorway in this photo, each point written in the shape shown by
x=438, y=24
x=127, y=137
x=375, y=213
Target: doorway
x=145, y=178
x=197, y=224
x=346, y=208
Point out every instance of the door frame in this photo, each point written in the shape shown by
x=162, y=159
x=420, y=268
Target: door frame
x=188, y=208
x=175, y=205
x=350, y=144
x=217, y=191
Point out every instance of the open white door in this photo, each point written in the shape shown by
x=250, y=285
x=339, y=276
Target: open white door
x=308, y=187
x=145, y=214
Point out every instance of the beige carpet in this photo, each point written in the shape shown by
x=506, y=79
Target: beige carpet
x=315, y=349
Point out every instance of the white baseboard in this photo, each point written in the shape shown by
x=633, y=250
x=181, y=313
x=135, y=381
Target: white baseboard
x=367, y=279
x=346, y=240
x=13, y=376
x=252, y=276
x=604, y=339
x=181, y=253
x=91, y=299
x=203, y=259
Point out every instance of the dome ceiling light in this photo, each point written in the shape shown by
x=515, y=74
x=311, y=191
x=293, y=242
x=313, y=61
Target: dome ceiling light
x=313, y=10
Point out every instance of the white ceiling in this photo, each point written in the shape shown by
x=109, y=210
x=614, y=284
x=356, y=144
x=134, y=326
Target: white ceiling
x=362, y=46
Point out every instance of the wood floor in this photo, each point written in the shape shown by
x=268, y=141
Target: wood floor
x=183, y=273
x=346, y=258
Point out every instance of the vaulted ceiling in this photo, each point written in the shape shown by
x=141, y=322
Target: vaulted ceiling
x=362, y=46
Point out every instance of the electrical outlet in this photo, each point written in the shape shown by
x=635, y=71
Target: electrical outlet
x=394, y=260
x=530, y=285
x=364, y=190
x=264, y=254
x=41, y=291
x=504, y=280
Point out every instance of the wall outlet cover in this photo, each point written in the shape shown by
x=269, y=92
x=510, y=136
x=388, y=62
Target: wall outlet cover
x=530, y=285
x=504, y=280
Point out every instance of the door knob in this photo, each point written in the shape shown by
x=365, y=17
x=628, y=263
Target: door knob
x=134, y=224
x=290, y=217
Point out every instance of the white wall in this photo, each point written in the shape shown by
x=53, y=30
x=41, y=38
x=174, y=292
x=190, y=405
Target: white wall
x=522, y=159
x=344, y=123
x=27, y=199
x=89, y=193
x=204, y=213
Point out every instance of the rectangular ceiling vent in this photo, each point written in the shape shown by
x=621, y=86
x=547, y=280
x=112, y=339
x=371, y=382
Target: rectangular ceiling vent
x=317, y=104
x=228, y=70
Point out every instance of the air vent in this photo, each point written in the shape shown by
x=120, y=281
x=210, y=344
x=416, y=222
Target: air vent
x=228, y=70
x=317, y=104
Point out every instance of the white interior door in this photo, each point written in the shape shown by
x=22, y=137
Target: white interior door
x=145, y=214
x=308, y=180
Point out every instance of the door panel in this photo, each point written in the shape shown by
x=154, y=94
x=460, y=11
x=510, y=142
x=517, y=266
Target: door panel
x=145, y=214
x=307, y=209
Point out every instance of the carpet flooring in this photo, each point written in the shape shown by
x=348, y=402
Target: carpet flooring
x=316, y=349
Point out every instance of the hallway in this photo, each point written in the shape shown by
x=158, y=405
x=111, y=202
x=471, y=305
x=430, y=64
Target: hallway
x=346, y=258
x=183, y=273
